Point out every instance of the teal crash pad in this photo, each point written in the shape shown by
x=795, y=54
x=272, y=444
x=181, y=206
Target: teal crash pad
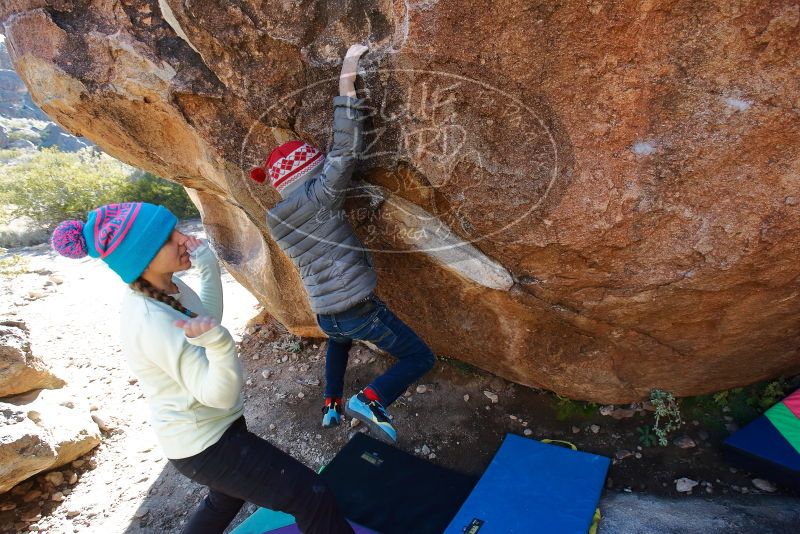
x=265, y=521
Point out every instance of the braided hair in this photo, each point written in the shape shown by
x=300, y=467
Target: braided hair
x=149, y=290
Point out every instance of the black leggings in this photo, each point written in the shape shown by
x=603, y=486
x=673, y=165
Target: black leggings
x=244, y=467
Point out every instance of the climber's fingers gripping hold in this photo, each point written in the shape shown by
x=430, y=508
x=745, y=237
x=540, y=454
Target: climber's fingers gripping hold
x=350, y=63
x=356, y=51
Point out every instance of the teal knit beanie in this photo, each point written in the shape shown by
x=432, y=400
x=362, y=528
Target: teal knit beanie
x=126, y=236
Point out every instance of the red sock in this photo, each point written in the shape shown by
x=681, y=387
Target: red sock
x=370, y=394
x=331, y=400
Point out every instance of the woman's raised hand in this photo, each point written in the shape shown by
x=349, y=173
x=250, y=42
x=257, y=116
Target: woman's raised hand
x=197, y=326
x=192, y=244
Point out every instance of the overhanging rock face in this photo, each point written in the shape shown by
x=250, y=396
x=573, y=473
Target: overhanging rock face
x=592, y=200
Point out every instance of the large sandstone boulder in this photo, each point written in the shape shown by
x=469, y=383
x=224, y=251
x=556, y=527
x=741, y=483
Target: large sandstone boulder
x=593, y=199
x=41, y=431
x=20, y=369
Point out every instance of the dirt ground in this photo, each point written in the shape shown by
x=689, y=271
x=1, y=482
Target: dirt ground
x=126, y=484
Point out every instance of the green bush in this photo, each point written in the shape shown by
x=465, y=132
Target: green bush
x=668, y=415
x=7, y=154
x=53, y=186
x=27, y=135
x=743, y=403
x=646, y=436
x=568, y=409
x=11, y=266
x=147, y=187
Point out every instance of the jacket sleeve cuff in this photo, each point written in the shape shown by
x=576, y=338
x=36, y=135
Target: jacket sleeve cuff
x=348, y=101
x=203, y=255
x=214, y=338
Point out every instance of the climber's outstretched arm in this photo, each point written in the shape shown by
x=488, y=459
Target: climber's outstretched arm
x=331, y=185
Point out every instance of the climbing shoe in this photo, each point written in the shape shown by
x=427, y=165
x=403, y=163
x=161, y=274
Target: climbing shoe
x=332, y=413
x=373, y=414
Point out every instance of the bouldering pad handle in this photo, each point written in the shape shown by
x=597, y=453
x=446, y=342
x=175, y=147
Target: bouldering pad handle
x=560, y=442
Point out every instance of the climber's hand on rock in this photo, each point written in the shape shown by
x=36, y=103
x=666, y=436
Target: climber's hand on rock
x=350, y=69
x=355, y=52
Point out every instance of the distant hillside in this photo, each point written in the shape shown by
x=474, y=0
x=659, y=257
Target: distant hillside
x=22, y=124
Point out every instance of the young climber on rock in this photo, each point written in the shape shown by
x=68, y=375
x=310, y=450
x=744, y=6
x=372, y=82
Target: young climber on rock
x=310, y=226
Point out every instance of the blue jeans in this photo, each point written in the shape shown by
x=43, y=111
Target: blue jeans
x=372, y=321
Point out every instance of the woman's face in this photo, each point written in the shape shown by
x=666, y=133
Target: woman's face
x=173, y=255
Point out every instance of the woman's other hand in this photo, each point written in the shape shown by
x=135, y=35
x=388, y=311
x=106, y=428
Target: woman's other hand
x=197, y=326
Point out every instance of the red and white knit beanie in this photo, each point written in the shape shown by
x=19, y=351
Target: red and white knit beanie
x=289, y=164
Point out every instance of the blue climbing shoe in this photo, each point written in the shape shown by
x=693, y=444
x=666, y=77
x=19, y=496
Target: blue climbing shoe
x=332, y=414
x=372, y=414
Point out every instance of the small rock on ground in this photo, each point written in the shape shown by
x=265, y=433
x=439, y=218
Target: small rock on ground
x=764, y=485
x=102, y=423
x=685, y=485
x=30, y=516
x=32, y=495
x=55, y=478
x=622, y=454
x=684, y=442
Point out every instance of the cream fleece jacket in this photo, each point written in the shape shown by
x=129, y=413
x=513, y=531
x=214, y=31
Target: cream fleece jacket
x=193, y=385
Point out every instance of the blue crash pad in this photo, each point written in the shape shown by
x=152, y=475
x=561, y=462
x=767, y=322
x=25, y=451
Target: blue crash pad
x=533, y=487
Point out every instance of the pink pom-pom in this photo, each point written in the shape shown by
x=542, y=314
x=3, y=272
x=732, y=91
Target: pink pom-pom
x=68, y=240
x=258, y=174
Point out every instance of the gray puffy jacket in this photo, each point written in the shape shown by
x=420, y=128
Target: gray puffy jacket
x=312, y=228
